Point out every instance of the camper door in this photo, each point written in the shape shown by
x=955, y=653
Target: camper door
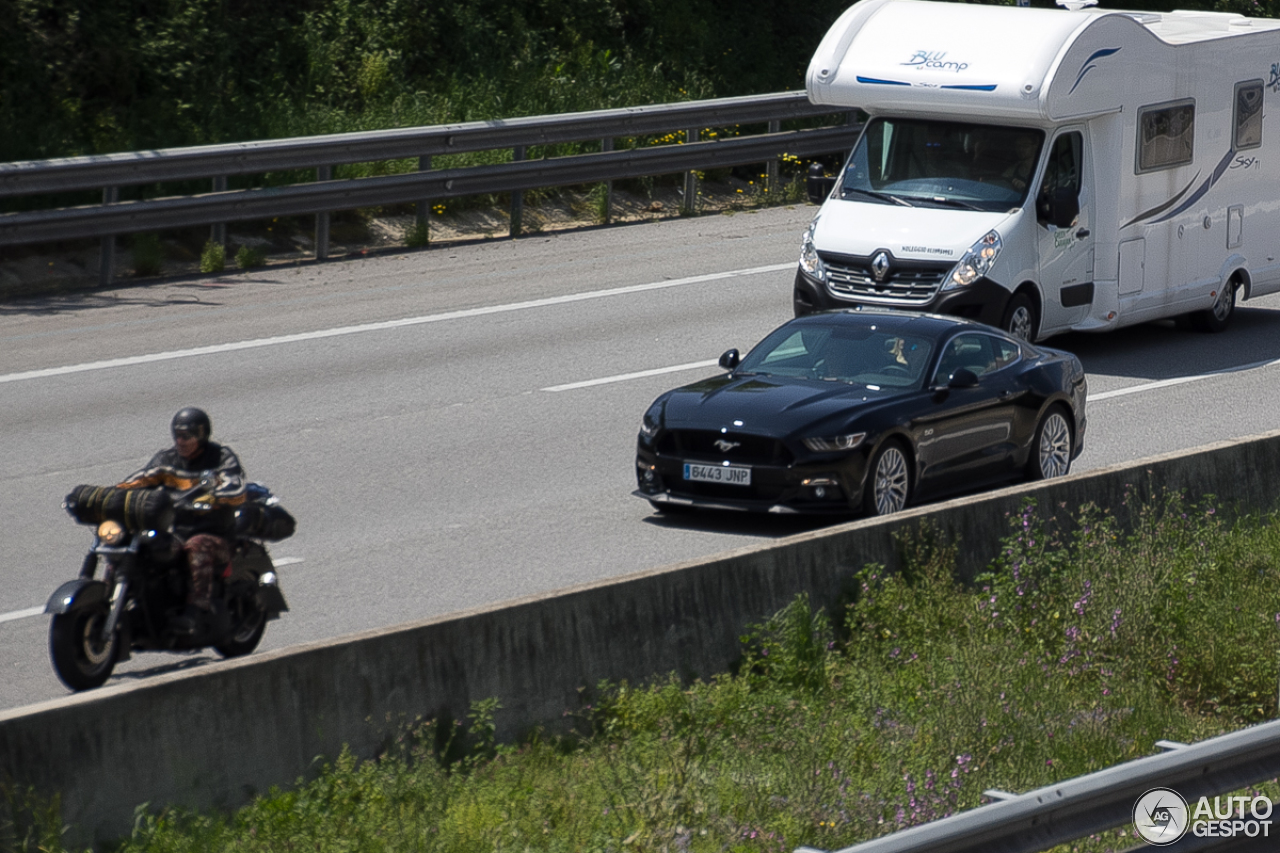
x=1064, y=215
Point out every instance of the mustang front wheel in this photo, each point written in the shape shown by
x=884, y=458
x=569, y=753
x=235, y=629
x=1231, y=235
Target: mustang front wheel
x=888, y=481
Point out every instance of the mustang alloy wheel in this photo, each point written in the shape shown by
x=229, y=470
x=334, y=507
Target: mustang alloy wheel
x=1051, y=453
x=889, y=484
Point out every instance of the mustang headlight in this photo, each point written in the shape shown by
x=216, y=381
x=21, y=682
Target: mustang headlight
x=809, y=260
x=835, y=443
x=976, y=262
x=110, y=533
x=651, y=423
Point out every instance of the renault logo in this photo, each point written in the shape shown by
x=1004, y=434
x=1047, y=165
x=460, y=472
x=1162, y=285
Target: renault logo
x=725, y=446
x=880, y=266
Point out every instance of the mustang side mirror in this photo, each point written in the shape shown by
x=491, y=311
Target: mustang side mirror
x=817, y=185
x=963, y=378
x=730, y=359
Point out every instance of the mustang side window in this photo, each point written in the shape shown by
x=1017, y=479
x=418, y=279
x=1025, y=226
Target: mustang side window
x=970, y=352
x=1248, y=123
x=1166, y=136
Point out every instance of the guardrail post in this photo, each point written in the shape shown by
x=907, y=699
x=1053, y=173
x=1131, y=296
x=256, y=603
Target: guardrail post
x=424, y=205
x=606, y=145
x=323, y=173
x=690, y=204
x=771, y=170
x=218, y=234
x=107, y=254
x=517, y=196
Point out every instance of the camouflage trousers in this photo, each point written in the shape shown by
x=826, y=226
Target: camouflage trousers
x=206, y=554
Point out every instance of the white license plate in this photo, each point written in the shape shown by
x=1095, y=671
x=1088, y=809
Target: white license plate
x=733, y=475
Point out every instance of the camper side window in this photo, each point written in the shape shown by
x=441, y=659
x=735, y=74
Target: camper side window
x=1166, y=136
x=1248, y=126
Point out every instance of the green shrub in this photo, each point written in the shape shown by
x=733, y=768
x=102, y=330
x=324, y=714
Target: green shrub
x=213, y=259
x=249, y=257
x=417, y=234
x=148, y=255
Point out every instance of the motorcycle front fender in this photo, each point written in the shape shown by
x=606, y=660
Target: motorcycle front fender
x=76, y=594
x=271, y=600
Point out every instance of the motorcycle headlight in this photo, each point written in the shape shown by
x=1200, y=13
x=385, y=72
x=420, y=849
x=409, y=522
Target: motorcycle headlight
x=809, y=260
x=976, y=262
x=836, y=443
x=110, y=533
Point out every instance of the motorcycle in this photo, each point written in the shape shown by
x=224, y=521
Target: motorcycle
x=99, y=622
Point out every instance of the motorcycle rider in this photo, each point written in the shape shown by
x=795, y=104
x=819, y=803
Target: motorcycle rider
x=205, y=531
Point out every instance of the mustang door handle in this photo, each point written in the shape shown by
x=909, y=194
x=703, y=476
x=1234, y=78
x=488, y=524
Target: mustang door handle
x=1082, y=233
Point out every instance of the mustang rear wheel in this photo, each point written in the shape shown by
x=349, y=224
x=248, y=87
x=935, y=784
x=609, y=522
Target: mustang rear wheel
x=888, y=480
x=82, y=656
x=1051, y=450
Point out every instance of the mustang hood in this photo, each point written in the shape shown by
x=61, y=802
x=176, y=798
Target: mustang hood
x=918, y=233
x=765, y=406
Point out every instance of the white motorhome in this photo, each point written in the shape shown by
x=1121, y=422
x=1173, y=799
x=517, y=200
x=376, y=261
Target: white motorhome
x=1046, y=170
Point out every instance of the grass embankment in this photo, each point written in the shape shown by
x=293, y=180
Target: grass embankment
x=902, y=707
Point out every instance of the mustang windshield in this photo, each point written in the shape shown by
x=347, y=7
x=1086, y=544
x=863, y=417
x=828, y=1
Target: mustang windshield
x=921, y=162
x=837, y=353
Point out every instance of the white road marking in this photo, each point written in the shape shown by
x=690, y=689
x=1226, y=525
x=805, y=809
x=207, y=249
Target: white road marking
x=21, y=614
x=385, y=325
x=1093, y=398
x=1179, y=380
x=36, y=611
x=623, y=377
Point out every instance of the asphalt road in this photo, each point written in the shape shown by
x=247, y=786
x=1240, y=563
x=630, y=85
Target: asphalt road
x=455, y=426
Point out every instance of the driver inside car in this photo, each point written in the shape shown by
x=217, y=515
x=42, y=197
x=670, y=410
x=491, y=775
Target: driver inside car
x=205, y=528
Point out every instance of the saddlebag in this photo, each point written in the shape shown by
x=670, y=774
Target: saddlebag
x=133, y=509
x=270, y=522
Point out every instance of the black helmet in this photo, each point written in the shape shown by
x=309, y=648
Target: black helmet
x=192, y=421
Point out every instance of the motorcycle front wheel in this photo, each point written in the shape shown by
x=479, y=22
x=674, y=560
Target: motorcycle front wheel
x=250, y=622
x=82, y=657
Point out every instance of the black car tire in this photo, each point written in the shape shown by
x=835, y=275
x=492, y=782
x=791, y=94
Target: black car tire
x=1050, y=454
x=1020, y=318
x=888, y=486
x=1218, y=318
x=81, y=658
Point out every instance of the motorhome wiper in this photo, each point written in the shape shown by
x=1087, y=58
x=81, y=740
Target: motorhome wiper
x=876, y=195
x=954, y=202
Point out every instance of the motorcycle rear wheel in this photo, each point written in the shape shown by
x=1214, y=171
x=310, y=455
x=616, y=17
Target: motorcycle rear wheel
x=82, y=658
x=250, y=624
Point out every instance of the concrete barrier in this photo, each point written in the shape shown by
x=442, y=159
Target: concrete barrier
x=216, y=736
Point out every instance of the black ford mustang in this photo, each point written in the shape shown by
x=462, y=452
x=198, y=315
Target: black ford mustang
x=863, y=410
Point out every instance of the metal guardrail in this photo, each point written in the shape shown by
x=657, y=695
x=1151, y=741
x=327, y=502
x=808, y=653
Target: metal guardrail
x=1080, y=807
x=217, y=162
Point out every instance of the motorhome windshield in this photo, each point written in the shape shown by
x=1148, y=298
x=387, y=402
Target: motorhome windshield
x=925, y=163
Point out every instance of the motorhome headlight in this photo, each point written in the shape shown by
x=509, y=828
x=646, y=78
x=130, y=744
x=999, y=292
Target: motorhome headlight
x=809, y=260
x=110, y=533
x=976, y=262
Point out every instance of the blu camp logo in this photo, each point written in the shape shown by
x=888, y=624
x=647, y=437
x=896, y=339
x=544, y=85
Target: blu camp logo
x=1160, y=816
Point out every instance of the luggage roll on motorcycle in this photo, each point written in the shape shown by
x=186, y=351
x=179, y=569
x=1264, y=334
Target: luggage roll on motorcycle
x=99, y=621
